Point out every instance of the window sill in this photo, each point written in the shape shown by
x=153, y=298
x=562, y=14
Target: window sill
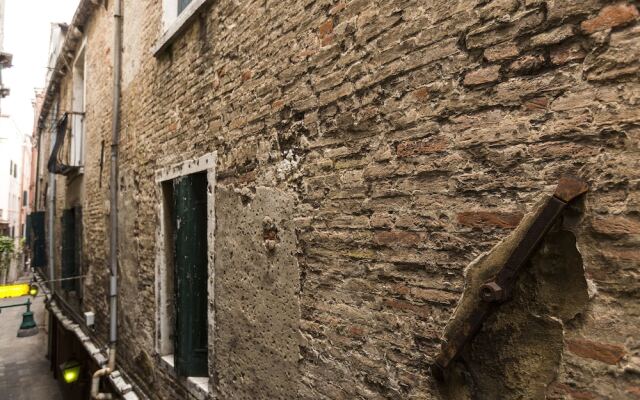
x=197, y=386
x=177, y=26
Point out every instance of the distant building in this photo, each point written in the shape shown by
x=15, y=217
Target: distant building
x=10, y=176
x=5, y=58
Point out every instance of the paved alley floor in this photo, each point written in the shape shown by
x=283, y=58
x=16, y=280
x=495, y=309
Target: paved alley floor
x=24, y=370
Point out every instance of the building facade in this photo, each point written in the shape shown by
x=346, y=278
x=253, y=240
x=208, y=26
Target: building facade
x=15, y=151
x=287, y=200
x=5, y=58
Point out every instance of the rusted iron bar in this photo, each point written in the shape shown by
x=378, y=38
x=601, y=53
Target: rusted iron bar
x=499, y=289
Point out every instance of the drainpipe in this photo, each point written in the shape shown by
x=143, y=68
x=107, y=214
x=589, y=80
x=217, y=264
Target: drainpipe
x=115, y=138
x=113, y=244
x=95, y=381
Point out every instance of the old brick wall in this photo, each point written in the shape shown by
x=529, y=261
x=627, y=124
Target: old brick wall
x=96, y=208
x=93, y=184
x=414, y=136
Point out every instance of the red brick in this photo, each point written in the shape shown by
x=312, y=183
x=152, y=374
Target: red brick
x=326, y=28
x=527, y=63
x=482, y=76
x=397, y=237
x=553, y=36
x=418, y=147
x=401, y=305
x=610, y=17
x=429, y=295
x=566, y=53
x=614, y=226
x=381, y=220
x=539, y=103
x=576, y=394
x=355, y=330
x=421, y=94
x=622, y=254
x=326, y=32
x=277, y=105
x=603, y=352
x=482, y=219
x=501, y=51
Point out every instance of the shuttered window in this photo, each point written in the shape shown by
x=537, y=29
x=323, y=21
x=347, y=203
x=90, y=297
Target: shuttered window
x=182, y=4
x=37, y=239
x=190, y=261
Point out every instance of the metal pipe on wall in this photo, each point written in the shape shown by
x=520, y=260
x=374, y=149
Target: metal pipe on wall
x=115, y=138
x=113, y=210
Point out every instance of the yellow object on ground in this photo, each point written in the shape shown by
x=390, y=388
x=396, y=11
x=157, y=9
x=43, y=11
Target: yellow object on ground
x=13, y=290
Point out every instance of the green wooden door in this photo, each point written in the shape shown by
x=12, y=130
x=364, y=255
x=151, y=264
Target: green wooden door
x=39, y=258
x=190, y=213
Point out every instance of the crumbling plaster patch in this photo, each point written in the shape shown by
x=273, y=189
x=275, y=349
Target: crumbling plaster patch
x=257, y=295
x=518, y=351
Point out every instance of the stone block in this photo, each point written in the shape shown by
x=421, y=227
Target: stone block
x=482, y=75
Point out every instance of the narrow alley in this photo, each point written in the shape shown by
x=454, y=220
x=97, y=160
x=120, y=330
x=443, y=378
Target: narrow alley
x=24, y=370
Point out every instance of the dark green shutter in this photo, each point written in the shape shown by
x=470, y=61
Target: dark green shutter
x=39, y=258
x=190, y=206
x=70, y=247
x=182, y=4
x=27, y=232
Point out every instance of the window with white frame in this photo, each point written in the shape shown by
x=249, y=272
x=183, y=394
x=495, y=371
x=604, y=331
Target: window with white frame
x=176, y=15
x=184, y=262
x=77, y=140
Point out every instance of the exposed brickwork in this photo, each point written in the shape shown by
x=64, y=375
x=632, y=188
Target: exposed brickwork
x=482, y=75
x=418, y=147
x=616, y=226
x=483, y=219
x=610, y=17
x=412, y=134
x=603, y=352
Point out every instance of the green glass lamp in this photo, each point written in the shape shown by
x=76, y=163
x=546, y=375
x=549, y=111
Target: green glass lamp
x=70, y=371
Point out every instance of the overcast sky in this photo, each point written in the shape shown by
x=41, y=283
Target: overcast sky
x=26, y=35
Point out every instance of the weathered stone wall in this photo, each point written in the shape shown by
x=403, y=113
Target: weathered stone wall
x=413, y=136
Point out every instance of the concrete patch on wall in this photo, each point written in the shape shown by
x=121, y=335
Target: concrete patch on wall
x=518, y=351
x=256, y=295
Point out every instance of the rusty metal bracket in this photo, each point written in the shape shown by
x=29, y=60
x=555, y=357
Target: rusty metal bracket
x=499, y=289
